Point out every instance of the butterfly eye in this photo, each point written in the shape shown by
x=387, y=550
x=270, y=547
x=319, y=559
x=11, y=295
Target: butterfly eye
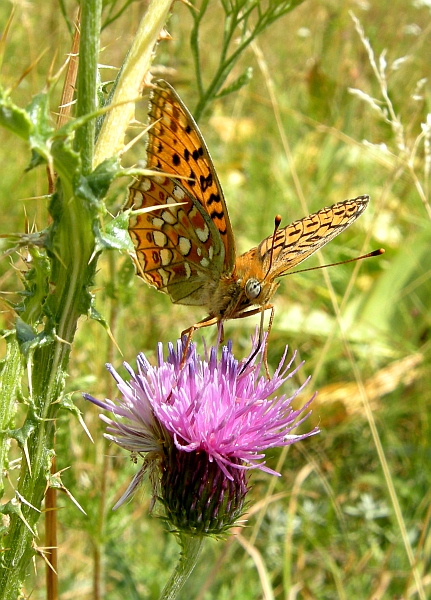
x=252, y=289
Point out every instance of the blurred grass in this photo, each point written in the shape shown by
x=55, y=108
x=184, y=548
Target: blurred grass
x=327, y=532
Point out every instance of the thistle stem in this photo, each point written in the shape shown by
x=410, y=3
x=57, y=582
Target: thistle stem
x=70, y=241
x=87, y=80
x=191, y=549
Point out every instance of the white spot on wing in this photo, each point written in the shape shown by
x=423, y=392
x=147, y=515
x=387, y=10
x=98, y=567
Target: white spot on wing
x=160, y=239
x=166, y=256
x=178, y=193
x=138, y=199
x=157, y=222
x=203, y=234
x=175, y=210
x=144, y=184
x=193, y=213
x=168, y=217
x=181, y=215
x=205, y=262
x=187, y=269
x=142, y=261
x=164, y=275
x=166, y=119
x=184, y=245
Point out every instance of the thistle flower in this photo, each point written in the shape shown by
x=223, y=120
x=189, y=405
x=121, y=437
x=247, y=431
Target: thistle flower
x=200, y=427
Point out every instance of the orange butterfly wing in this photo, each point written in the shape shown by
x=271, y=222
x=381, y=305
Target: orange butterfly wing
x=176, y=146
x=177, y=247
x=184, y=250
x=300, y=239
x=257, y=269
x=185, y=246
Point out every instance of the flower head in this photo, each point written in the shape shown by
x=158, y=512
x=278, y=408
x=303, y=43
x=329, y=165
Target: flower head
x=200, y=425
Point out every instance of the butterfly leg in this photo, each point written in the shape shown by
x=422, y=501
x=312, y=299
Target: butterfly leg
x=189, y=333
x=256, y=311
x=261, y=331
x=191, y=330
x=265, y=352
x=220, y=335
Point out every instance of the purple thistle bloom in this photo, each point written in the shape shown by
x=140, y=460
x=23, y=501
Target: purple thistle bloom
x=200, y=428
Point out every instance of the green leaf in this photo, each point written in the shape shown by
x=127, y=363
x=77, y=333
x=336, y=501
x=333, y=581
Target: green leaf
x=28, y=339
x=38, y=111
x=36, y=283
x=103, y=175
x=83, y=190
x=35, y=161
x=236, y=85
x=387, y=310
x=15, y=119
x=22, y=434
x=116, y=235
x=24, y=332
x=97, y=316
x=67, y=162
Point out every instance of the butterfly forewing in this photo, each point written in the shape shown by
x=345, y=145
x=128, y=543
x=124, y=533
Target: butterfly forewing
x=300, y=239
x=175, y=146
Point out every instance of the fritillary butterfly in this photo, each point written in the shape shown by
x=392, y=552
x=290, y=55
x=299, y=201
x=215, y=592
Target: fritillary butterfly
x=188, y=251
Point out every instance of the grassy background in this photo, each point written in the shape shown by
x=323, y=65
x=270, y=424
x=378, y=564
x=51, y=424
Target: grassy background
x=326, y=528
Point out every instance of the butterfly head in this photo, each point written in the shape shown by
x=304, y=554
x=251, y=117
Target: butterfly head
x=256, y=292
x=247, y=287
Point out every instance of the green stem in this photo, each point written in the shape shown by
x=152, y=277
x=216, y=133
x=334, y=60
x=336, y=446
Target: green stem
x=70, y=245
x=237, y=16
x=91, y=12
x=9, y=386
x=191, y=549
x=194, y=43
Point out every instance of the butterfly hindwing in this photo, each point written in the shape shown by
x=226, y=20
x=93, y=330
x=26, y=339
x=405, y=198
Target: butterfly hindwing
x=177, y=247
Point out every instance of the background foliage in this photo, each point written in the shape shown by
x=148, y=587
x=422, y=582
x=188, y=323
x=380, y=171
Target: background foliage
x=326, y=528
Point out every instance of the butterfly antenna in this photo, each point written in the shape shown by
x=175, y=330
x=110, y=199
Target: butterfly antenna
x=342, y=262
x=277, y=222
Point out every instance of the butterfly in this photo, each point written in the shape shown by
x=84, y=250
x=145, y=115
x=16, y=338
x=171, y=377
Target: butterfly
x=185, y=247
